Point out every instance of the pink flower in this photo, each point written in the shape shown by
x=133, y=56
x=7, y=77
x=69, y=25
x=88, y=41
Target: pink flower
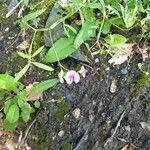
x=72, y=76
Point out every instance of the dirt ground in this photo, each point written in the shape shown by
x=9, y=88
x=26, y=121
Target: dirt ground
x=85, y=116
x=100, y=114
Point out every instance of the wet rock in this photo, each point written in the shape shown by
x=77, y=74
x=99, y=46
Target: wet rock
x=12, y=4
x=79, y=56
x=58, y=31
x=113, y=86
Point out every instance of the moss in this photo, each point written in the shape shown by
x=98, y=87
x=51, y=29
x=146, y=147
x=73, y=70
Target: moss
x=3, y=12
x=144, y=81
x=38, y=42
x=66, y=146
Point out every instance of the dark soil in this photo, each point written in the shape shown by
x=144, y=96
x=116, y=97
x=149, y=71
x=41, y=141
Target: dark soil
x=100, y=113
x=100, y=109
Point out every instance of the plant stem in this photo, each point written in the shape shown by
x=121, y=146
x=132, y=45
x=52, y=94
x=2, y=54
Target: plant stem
x=31, y=45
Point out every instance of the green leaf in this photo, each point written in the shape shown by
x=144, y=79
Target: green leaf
x=88, y=30
x=21, y=103
x=60, y=50
x=9, y=126
x=13, y=113
x=26, y=110
x=30, y=16
x=38, y=51
x=37, y=104
x=25, y=2
x=116, y=21
x=103, y=7
x=106, y=27
x=23, y=55
x=95, y=6
x=43, y=66
x=115, y=40
x=33, y=15
x=22, y=72
x=88, y=14
x=25, y=115
x=9, y=103
x=25, y=106
x=7, y=82
x=44, y=85
x=22, y=95
x=129, y=14
x=71, y=28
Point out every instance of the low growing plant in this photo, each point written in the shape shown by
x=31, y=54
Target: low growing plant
x=14, y=96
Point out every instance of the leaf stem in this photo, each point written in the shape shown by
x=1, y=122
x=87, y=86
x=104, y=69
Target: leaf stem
x=31, y=45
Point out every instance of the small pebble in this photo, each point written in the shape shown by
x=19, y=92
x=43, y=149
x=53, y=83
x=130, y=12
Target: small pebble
x=96, y=60
x=91, y=118
x=94, y=103
x=107, y=69
x=124, y=71
x=76, y=113
x=113, y=86
x=7, y=29
x=54, y=137
x=61, y=133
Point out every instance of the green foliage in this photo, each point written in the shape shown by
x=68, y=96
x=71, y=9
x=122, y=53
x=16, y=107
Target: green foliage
x=37, y=104
x=62, y=109
x=66, y=146
x=42, y=66
x=88, y=30
x=25, y=2
x=106, y=27
x=44, y=85
x=60, y=50
x=22, y=72
x=30, y=58
x=115, y=40
x=13, y=113
x=9, y=126
x=7, y=82
x=144, y=81
x=16, y=105
x=29, y=17
x=112, y=14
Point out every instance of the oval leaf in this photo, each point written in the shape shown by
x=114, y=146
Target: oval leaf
x=25, y=115
x=13, y=114
x=60, y=50
x=9, y=126
x=115, y=39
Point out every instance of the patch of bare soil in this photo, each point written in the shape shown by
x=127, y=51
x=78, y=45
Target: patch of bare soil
x=97, y=117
